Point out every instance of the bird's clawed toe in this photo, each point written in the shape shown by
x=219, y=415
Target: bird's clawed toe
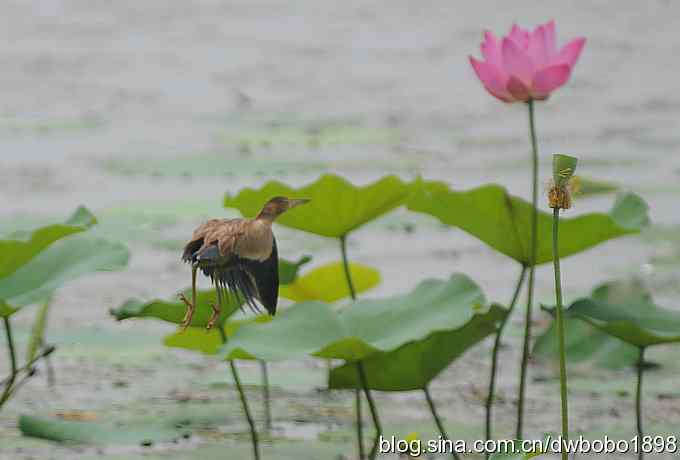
x=188, y=316
x=213, y=318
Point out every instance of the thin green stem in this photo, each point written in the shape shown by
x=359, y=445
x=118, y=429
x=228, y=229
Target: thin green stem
x=532, y=259
x=246, y=410
x=437, y=420
x=359, y=423
x=242, y=395
x=494, y=355
x=357, y=392
x=372, y=407
x=345, y=266
x=266, y=396
x=638, y=401
x=13, y=362
x=560, y=334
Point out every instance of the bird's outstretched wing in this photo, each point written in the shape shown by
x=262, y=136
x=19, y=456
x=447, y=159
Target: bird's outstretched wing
x=212, y=249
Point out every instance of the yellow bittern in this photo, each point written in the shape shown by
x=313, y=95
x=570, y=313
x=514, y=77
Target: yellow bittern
x=240, y=257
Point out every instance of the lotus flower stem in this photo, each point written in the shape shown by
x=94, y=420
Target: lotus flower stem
x=357, y=392
x=266, y=396
x=532, y=269
x=244, y=400
x=638, y=401
x=13, y=362
x=495, y=352
x=560, y=334
x=437, y=420
x=374, y=411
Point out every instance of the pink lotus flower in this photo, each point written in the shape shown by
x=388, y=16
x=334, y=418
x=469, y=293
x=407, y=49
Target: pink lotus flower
x=526, y=65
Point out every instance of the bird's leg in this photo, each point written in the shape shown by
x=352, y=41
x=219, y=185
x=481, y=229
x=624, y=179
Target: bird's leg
x=191, y=306
x=216, y=309
x=188, y=316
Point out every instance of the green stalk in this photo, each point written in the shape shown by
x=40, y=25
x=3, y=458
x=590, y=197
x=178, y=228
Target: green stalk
x=242, y=395
x=266, y=396
x=13, y=362
x=495, y=352
x=638, y=401
x=357, y=392
x=372, y=408
x=532, y=260
x=560, y=334
x=437, y=420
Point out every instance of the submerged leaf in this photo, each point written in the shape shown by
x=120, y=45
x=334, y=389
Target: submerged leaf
x=370, y=328
x=337, y=207
x=627, y=311
x=328, y=283
x=20, y=247
x=503, y=221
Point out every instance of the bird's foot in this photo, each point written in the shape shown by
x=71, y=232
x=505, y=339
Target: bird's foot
x=213, y=318
x=188, y=316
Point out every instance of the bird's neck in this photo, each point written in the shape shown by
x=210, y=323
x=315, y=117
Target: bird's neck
x=264, y=220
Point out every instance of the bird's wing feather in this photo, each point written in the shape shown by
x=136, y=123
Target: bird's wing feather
x=222, y=233
x=266, y=276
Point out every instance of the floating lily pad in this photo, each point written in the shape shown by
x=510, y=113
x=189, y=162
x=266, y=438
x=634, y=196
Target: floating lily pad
x=362, y=328
x=337, y=207
x=503, y=221
x=328, y=283
x=98, y=433
x=20, y=247
x=64, y=261
x=627, y=311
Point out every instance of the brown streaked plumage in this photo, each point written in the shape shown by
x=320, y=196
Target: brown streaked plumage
x=240, y=256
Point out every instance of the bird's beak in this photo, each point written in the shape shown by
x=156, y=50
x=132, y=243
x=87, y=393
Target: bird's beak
x=297, y=202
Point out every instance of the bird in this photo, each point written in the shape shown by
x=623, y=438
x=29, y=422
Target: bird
x=240, y=257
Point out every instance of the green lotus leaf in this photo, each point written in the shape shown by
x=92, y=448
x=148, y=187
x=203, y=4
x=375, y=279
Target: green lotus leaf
x=413, y=365
x=62, y=262
x=94, y=432
x=208, y=342
x=362, y=328
x=288, y=270
x=18, y=248
x=586, y=343
x=328, y=284
x=173, y=311
x=503, y=221
x=337, y=207
x=586, y=186
x=627, y=311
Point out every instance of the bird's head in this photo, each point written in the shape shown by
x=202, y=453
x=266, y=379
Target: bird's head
x=277, y=206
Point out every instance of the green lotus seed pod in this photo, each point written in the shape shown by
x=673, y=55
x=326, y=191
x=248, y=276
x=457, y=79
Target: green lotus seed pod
x=563, y=168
